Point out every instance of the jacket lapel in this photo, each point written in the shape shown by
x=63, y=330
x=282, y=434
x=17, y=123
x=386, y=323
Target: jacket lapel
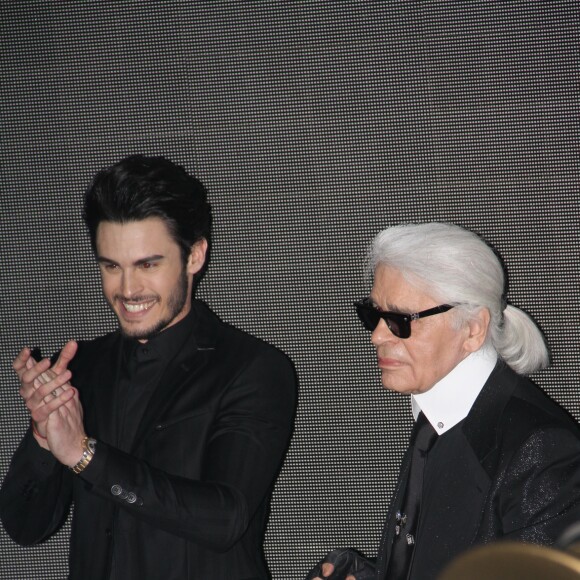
x=481, y=425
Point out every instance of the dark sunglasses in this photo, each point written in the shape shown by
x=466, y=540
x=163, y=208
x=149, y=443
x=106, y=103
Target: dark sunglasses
x=399, y=324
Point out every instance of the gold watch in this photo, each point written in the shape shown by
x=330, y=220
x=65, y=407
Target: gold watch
x=89, y=447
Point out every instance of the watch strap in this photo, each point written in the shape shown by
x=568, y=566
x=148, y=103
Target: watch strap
x=88, y=445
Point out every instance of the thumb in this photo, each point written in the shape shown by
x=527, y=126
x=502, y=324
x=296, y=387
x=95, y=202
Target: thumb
x=66, y=355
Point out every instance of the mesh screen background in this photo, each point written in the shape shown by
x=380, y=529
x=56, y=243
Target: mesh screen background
x=313, y=125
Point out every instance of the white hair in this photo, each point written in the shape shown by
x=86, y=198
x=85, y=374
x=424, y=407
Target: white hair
x=457, y=267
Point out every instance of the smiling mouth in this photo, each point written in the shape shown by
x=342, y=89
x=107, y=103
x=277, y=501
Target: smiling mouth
x=138, y=307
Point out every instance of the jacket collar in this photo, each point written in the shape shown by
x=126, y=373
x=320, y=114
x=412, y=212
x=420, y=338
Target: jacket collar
x=481, y=425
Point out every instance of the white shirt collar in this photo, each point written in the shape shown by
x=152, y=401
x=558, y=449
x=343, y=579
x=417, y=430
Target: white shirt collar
x=449, y=401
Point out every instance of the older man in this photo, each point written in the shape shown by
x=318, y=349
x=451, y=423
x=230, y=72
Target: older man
x=491, y=456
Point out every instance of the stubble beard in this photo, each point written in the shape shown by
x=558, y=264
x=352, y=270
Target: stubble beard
x=175, y=304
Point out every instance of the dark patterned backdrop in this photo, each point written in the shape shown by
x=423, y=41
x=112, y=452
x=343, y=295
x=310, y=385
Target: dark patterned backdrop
x=313, y=125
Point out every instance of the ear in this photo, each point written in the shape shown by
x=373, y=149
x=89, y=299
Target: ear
x=196, y=258
x=477, y=327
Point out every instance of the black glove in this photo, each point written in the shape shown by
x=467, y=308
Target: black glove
x=345, y=562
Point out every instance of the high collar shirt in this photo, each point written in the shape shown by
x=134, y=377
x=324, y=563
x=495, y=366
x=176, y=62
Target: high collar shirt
x=449, y=401
x=142, y=367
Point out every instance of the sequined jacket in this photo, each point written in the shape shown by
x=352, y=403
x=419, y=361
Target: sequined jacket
x=510, y=470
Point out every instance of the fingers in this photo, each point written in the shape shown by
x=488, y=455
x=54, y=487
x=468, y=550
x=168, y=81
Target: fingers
x=30, y=362
x=21, y=359
x=41, y=378
x=42, y=413
x=49, y=375
x=73, y=405
x=49, y=396
x=33, y=374
x=55, y=384
x=60, y=366
x=24, y=361
x=27, y=368
x=47, y=391
x=326, y=570
x=29, y=377
x=66, y=355
x=344, y=564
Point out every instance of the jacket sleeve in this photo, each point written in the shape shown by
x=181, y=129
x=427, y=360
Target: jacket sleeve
x=35, y=495
x=540, y=493
x=243, y=452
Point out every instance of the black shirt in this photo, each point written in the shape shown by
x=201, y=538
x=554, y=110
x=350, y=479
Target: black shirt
x=142, y=368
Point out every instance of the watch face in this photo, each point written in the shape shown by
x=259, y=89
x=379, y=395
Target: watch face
x=92, y=445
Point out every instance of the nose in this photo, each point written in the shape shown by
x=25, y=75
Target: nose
x=382, y=333
x=131, y=284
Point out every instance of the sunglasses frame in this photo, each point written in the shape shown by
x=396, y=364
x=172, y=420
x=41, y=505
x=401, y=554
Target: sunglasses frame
x=399, y=323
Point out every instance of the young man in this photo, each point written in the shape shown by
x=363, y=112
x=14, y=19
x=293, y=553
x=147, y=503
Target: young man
x=167, y=434
x=491, y=456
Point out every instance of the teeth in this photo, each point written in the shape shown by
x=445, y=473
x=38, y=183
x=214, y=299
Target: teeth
x=137, y=307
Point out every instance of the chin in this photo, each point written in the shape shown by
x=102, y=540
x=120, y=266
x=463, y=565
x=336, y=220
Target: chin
x=146, y=332
x=397, y=388
x=138, y=332
x=392, y=385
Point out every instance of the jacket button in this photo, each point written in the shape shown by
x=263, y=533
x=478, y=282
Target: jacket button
x=116, y=489
x=131, y=498
x=124, y=494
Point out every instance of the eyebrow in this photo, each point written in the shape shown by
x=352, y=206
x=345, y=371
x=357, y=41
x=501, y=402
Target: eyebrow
x=141, y=261
x=391, y=308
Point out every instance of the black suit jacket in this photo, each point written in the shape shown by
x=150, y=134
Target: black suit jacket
x=510, y=470
x=190, y=499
